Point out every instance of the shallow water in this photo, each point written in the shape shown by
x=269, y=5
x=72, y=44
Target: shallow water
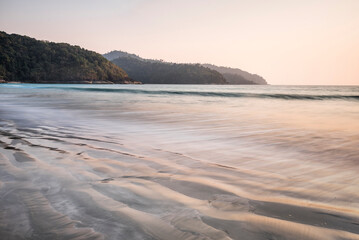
x=179, y=162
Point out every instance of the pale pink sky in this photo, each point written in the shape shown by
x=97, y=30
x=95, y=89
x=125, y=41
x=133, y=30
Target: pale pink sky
x=287, y=42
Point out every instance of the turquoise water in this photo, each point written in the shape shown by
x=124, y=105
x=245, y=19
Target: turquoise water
x=182, y=161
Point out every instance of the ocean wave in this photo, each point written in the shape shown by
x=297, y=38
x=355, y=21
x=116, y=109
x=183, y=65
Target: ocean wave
x=218, y=94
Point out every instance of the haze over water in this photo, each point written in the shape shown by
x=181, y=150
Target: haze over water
x=179, y=162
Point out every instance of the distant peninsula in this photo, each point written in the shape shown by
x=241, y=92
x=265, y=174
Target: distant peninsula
x=161, y=72
x=27, y=60
x=237, y=76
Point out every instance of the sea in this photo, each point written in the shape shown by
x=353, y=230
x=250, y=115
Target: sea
x=179, y=162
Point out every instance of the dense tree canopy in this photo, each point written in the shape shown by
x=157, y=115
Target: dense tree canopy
x=25, y=59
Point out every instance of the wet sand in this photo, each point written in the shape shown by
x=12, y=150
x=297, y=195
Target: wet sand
x=56, y=187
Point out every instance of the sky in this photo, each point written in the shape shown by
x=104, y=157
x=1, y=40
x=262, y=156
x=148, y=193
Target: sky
x=290, y=42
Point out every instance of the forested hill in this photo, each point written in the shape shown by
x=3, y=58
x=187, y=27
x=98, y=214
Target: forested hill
x=158, y=72
x=116, y=54
x=25, y=59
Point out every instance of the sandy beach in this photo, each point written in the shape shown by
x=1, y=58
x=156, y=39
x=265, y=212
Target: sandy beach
x=116, y=171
